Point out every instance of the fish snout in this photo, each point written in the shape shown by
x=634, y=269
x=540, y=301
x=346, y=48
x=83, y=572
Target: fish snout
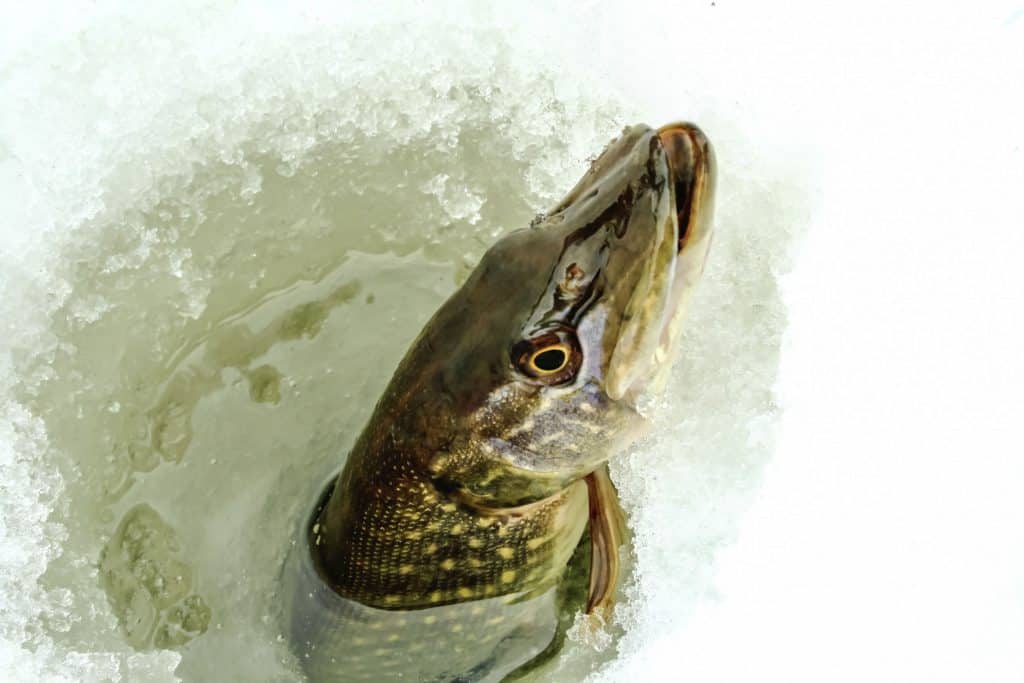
x=692, y=163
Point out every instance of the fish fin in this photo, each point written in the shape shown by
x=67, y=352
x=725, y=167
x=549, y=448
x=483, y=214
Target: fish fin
x=607, y=532
x=571, y=598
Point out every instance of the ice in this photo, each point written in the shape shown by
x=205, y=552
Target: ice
x=149, y=583
x=228, y=223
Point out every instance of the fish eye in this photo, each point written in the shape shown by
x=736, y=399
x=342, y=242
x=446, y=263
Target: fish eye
x=550, y=359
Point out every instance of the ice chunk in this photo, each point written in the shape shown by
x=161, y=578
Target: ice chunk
x=149, y=584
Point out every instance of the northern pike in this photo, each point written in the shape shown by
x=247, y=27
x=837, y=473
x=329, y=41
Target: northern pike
x=442, y=550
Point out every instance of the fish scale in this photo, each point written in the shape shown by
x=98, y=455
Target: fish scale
x=344, y=640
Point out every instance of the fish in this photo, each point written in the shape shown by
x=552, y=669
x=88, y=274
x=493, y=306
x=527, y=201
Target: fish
x=476, y=506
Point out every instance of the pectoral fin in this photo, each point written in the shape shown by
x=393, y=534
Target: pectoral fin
x=607, y=531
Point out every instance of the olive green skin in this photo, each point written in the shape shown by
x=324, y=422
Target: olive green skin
x=466, y=488
x=337, y=639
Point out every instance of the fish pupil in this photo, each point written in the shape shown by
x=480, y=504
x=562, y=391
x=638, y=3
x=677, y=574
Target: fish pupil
x=550, y=360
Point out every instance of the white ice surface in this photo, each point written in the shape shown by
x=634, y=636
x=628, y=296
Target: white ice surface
x=882, y=540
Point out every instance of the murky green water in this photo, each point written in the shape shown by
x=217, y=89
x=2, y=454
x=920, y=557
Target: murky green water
x=215, y=359
x=246, y=422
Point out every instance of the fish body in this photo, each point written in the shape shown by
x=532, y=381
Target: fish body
x=475, y=640
x=440, y=550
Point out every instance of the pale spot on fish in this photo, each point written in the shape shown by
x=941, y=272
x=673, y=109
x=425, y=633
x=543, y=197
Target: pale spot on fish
x=393, y=638
x=434, y=597
x=508, y=576
x=660, y=354
x=456, y=530
x=475, y=543
x=430, y=619
x=430, y=549
x=406, y=569
x=484, y=522
x=464, y=592
x=526, y=426
x=456, y=628
x=448, y=564
x=493, y=621
x=449, y=507
x=392, y=599
x=551, y=438
x=505, y=552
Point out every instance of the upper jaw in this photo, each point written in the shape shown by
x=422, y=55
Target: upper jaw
x=691, y=164
x=691, y=160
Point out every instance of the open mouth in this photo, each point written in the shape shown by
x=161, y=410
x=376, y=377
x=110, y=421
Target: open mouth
x=691, y=161
x=648, y=339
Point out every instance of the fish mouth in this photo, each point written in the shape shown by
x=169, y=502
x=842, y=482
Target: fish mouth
x=691, y=162
x=649, y=340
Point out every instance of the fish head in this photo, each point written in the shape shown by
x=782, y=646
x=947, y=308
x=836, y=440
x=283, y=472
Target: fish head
x=543, y=362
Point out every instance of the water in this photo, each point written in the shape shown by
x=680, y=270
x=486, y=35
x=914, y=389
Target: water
x=220, y=280
x=244, y=425
x=209, y=434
